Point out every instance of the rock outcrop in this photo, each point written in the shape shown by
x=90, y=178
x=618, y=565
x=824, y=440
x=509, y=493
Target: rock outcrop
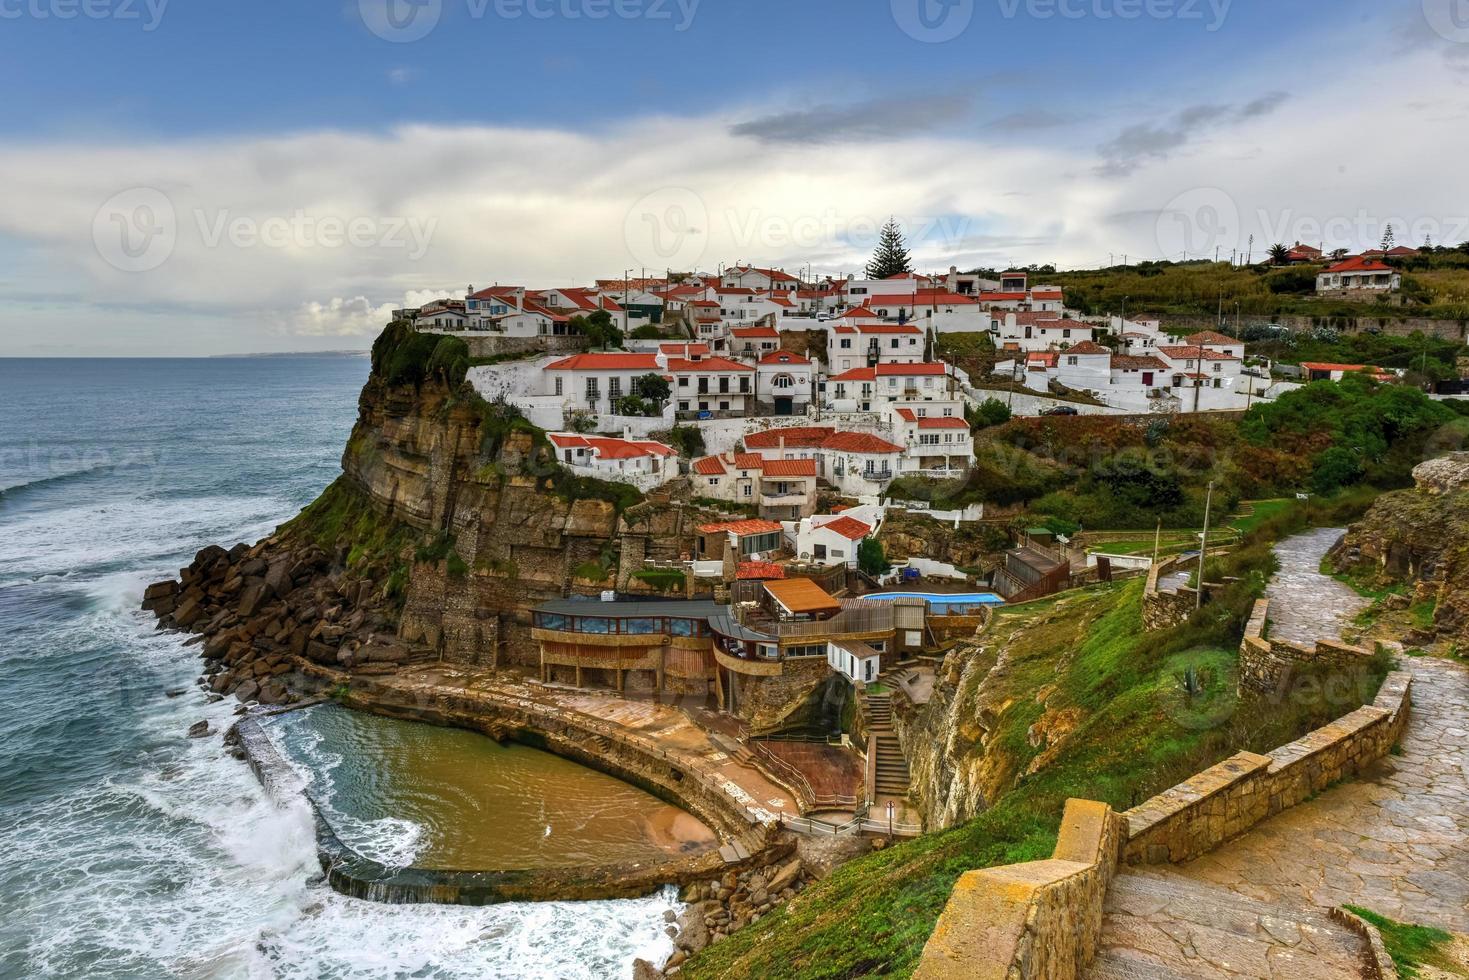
x=1419, y=538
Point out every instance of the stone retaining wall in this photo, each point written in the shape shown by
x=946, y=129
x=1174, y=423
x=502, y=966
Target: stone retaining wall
x=1228, y=799
x=1040, y=919
x=1266, y=664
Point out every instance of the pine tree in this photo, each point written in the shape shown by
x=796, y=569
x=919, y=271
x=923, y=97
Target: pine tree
x=891, y=255
x=1387, y=239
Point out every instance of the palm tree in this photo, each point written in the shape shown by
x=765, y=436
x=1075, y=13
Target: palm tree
x=1279, y=254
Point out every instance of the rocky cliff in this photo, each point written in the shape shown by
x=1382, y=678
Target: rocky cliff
x=450, y=519
x=1418, y=540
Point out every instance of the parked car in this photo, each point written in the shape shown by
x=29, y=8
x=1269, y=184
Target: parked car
x=1060, y=410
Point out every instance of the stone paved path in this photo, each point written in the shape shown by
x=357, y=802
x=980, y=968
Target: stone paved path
x=1395, y=840
x=1306, y=605
x=1159, y=928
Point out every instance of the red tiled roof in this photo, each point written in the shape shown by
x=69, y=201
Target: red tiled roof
x=1198, y=353
x=1001, y=297
x=741, y=529
x=1087, y=347
x=759, y=570
x=790, y=467
x=1045, y=358
x=606, y=362
x=942, y=422
x=783, y=357
x=856, y=374
x=1124, y=362
x=1327, y=366
x=769, y=333
x=922, y=299
x=859, y=442
x=848, y=527
x=1360, y=263
x=888, y=328
x=749, y=461
x=709, y=466
x=684, y=350
x=1206, y=337
x=796, y=437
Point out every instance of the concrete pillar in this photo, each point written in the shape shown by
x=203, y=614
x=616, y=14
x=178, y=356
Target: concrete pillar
x=620, y=675
x=578, y=675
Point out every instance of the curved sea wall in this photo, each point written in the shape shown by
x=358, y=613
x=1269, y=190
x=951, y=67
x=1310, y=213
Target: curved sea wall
x=352, y=873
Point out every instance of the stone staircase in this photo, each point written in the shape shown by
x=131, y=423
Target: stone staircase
x=891, y=768
x=1163, y=926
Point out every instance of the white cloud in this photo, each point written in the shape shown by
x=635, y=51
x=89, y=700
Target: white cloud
x=319, y=234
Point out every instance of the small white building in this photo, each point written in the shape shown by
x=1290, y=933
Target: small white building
x=751, y=277
x=753, y=342
x=940, y=311
x=597, y=382
x=935, y=442
x=785, y=381
x=1031, y=331
x=854, y=660
x=831, y=539
x=782, y=489
x=643, y=463
x=712, y=384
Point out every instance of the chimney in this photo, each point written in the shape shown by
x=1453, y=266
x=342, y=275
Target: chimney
x=471, y=290
x=520, y=299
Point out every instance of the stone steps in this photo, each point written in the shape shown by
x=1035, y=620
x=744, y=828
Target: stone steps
x=1162, y=926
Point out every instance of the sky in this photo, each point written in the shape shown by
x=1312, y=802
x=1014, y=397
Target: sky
x=194, y=177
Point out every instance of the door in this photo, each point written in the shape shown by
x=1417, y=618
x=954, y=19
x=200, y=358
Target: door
x=784, y=406
x=1147, y=379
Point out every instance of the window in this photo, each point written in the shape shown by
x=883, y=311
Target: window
x=560, y=383
x=784, y=381
x=846, y=343
x=683, y=381
x=614, y=389
x=714, y=481
x=592, y=389
x=1071, y=361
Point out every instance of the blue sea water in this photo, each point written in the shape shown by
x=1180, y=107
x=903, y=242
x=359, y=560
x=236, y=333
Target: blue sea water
x=128, y=849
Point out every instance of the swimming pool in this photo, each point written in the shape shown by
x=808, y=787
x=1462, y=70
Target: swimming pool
x=943, y=602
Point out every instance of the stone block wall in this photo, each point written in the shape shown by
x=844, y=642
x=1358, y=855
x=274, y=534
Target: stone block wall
x=1266, y=664
x=1040, y=919
x=1225, y=800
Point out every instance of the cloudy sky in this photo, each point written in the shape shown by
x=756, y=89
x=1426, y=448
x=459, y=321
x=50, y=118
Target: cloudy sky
x=197, y=177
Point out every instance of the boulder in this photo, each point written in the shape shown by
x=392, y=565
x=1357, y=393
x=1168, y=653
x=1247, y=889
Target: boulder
x=278, y=580
x=206, y=557
x=1447, y=474
x=251, y=597
x=273, y=692
x=785, y=877
x=643, y=970
x=247, y=691
x=189, y=612
x=693, y=934
x=199, y=729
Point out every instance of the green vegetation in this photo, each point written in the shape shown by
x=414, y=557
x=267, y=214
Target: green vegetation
x=1203, y=288
x=343, y=514
x=1413, y=947
x=688, y=440
x=1099, y=472
x=1424, y=357
x=890, y=258
x=1253, y=512
x=662, y=579
x=1150, y=709
x=991, y=412
x=871, y=557
x=403, y=356
x=598, y=327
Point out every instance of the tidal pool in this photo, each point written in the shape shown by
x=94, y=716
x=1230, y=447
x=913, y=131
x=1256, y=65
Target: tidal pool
x=406, y=793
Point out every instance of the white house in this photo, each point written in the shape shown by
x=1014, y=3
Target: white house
x=1031, y=331
x=785, y=381
x=935, y=442
x=642, y=463
x=944, y=312
x=712, y=384
x=870, y=342
x=1356, y=273
x=753, y=342
x=831, y=539
x=596, y=382
x=854, y=660
x=859, y=464
x=751, y=277
x=1219, y=342
x=782, y=489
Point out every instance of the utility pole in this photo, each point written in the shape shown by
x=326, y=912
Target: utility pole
x=1157, y=541
x=1203, y=548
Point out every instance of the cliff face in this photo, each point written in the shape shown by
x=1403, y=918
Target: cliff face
x=1419, y=538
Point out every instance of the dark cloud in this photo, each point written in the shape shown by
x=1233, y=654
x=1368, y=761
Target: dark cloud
x=857, y=122
x=1143, y=142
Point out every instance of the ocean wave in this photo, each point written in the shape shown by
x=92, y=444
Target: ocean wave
x=15, y=490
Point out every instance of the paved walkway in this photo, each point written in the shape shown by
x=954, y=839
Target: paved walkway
x=1395, y=840
x=1305, y=605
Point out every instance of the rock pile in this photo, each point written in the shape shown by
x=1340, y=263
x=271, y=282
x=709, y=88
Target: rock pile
x=717, y=908
x=254, y=608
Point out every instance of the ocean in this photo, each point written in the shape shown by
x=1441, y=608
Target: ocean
x=129, y=849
